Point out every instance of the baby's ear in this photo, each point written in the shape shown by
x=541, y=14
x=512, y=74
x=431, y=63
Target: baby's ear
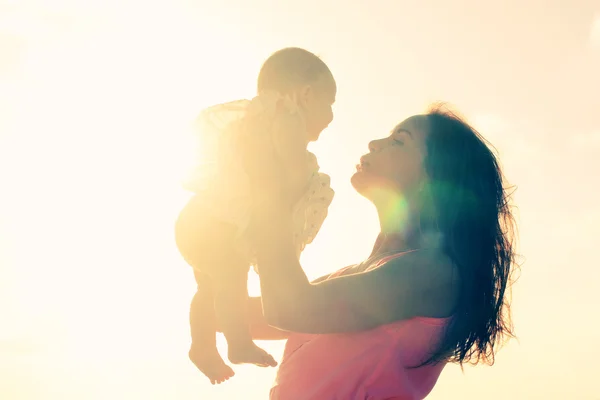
x=304, y=94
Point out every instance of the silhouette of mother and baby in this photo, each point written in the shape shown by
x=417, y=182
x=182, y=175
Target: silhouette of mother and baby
x=432, y=292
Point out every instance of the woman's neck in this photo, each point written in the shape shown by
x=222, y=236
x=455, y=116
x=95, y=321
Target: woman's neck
x=402, y=232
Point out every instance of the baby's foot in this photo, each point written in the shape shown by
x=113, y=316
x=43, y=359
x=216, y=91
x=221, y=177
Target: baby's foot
x=249, y=353
x=210, y=363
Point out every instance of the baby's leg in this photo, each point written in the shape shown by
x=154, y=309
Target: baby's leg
x=191, y=233
x=231, y=306
x=203, y=325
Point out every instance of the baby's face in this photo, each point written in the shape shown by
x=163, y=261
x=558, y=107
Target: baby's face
x=316, y=102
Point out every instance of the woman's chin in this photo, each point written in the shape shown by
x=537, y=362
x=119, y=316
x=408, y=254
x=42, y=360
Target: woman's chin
x=361, y=181
x=373, y=187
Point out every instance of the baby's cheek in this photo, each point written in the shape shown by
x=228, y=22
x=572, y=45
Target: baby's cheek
x=322, y=122
x=327, y=116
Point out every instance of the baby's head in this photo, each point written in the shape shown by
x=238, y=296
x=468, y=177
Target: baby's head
x=304, y=76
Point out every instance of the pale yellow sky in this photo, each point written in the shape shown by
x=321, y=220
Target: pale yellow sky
x=94, y=102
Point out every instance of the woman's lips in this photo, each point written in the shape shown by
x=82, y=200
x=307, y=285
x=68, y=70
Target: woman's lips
x=362, y=165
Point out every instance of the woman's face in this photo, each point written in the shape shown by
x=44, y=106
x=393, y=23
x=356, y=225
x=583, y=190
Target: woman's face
x=394, y=163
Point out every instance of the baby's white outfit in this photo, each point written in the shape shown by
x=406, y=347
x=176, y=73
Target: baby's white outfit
x=221, y=180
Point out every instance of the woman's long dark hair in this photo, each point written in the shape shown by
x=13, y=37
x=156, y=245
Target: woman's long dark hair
x=469, y=205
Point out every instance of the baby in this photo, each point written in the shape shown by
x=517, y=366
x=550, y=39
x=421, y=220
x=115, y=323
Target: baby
x=296, y=91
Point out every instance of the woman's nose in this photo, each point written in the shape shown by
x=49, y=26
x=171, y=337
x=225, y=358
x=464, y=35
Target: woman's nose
x=374, y=145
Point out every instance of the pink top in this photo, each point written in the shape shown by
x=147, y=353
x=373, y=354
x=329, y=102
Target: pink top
x=370, y=365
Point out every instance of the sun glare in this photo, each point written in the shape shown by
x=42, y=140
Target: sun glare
x=97, y=100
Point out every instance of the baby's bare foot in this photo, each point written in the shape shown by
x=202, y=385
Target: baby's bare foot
x=210, y=363
x=249, y=353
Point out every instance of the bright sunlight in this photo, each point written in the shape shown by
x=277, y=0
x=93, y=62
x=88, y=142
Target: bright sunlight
x=96, y=101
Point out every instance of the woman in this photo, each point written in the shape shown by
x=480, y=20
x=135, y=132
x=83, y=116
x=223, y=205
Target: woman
x=432, y=291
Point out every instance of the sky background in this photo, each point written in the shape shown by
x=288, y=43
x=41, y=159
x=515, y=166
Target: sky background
x=95, y=102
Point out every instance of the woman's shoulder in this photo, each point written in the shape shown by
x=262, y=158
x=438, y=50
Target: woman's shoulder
x=433, y=258
x=399, y=259
x=436, y=276
x=429, y=263
x=426, y=274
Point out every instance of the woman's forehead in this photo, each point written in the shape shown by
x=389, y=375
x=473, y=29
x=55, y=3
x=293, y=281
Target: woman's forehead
x=416, y=125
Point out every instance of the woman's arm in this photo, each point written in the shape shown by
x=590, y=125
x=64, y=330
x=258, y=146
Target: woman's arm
x=418, y=283
x=259, y=328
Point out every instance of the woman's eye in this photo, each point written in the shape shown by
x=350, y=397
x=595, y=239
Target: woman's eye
x=400, y=142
